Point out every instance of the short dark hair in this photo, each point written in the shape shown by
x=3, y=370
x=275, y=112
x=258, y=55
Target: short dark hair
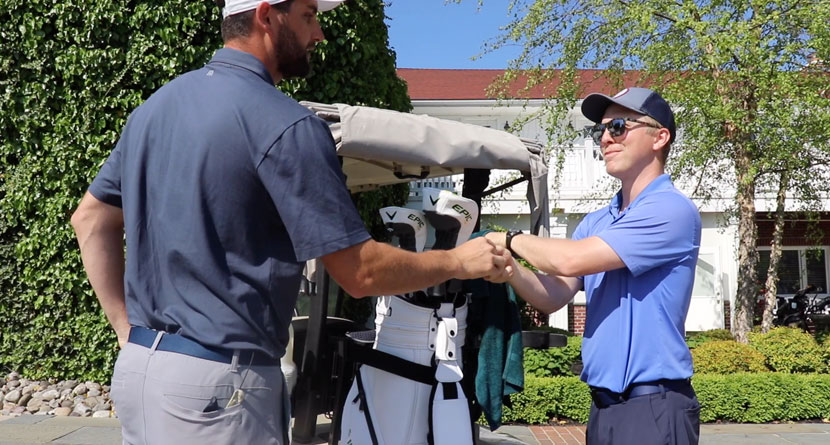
x=239, y=25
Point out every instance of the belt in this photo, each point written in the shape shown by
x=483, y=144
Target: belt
x=182, y=345
x=604, y=397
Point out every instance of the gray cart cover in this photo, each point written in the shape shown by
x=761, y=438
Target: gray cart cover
x=381, y=147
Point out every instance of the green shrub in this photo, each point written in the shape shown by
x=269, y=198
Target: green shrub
x=549, y=398
x=727, y=357
x=764, y=397
x=553, y=361
x=695, y=339
x=790, y=350
x=750, y=398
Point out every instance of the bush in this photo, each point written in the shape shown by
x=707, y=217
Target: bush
x=727, y=357
x=553, y=361
x=695, y=339
x=751, y=398
x=549, y=398
x=765, y=397
x=790, y=350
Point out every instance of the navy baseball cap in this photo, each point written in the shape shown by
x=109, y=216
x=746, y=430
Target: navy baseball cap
x=641, y=100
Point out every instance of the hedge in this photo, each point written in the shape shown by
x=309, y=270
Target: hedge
x=746, y=398
x=727, y=357
x=71, y=74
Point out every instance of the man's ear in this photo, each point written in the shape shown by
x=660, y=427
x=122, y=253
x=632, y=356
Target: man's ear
x=262, y=16
x=662, y=139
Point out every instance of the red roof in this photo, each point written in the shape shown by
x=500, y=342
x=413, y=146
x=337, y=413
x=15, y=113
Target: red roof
x=450, y=84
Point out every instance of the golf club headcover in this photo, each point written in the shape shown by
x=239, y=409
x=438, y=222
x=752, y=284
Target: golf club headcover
x=453, y=217
x=408, y=225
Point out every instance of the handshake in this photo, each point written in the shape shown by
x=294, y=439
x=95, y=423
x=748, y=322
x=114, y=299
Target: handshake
x=453, y=217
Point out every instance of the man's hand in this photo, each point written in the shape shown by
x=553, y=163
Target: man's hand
x=479, y=258
x=497, y=238
x=507, y=273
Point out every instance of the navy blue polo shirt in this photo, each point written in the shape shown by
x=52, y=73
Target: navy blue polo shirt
x=227, y=187
x=636, y=315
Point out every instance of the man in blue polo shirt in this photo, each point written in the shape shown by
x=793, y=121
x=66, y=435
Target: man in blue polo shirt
x=224, y=187
x=636, y=260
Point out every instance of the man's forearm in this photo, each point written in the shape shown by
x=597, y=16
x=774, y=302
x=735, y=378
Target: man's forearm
x=100, y=232
x=373, y=268
x=547, y=293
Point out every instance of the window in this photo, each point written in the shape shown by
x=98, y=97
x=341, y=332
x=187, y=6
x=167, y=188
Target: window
x=798, y=268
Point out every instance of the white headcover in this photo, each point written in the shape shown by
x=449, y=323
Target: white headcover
x=236, y=6
x=446, y=203
x=401, y=217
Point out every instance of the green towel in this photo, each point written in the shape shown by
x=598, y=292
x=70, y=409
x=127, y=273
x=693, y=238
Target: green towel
x=500, y=369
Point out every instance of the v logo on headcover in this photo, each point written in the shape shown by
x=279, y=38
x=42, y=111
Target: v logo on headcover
x=391, y=215
x=433, y=201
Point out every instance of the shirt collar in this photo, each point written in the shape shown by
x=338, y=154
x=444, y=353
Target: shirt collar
x=235, y=57
x=661, y=182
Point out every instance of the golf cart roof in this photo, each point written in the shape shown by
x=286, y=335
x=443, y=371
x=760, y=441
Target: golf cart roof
x=381, y=147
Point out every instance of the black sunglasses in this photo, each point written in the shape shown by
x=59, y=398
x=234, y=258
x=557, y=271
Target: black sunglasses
x=616, y=127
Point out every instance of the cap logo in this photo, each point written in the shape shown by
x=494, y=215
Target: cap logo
x=621, y=93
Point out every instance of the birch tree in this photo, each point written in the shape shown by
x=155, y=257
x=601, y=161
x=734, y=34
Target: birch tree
x=745, y=78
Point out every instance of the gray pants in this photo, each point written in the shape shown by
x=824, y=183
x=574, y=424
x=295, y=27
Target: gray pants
x=168, y=398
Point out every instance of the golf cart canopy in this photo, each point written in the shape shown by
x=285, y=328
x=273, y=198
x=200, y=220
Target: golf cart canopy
x=382, y=147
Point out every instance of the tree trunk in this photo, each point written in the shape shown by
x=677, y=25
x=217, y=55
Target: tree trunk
x=747, y=252
x=771, y=285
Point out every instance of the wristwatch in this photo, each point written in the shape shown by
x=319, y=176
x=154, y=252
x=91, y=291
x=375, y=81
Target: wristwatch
x=509, y=238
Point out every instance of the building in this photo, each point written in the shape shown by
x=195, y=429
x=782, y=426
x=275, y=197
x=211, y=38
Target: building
x=462, y=95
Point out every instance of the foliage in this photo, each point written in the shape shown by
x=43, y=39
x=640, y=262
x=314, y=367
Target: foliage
x=553, y=361
x=727, y=357
x=746, y=79
x=790, y=350
x=72, y=73
x=764, y=397
x=747, y=398
x=695, y=339
x=544, y=399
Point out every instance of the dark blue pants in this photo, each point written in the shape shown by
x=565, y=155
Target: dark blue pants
x=664, y=418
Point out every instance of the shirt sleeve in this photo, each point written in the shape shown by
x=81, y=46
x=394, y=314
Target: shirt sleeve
x=662, y=229
x=302, y=174
x=106, y=186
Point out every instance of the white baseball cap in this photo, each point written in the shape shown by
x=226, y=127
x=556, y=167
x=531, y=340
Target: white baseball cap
x=236, y=6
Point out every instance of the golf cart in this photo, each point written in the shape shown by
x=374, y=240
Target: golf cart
x=378, y=148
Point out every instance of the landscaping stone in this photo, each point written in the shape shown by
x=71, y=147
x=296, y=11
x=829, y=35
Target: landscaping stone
x=21, y=396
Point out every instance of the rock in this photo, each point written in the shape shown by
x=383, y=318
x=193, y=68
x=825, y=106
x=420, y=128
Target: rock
x=13, y=376
x=80, y=389
x=50, y=394
x=24, y=399
x=93, y=385
x=13, y=383
x=13, y=396
x=18, y=410
x=54, y=403
x=66, y=392
x=67, y=403
x=102, y=413
x=63, y=411
x=106, y=406
x=105, y=388
x=81, y=410
x=34, y=404
x=92, y=392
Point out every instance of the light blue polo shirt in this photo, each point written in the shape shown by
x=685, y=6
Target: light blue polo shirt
x=634, y=330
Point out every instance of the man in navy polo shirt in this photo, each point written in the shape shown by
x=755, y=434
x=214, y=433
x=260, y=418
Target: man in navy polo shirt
x=636, y=260
x=224, y=187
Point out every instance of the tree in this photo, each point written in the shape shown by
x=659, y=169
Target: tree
x=70, y=74
x=738, y=73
